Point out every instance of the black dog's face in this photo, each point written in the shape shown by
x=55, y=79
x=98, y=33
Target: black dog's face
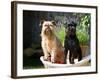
x=71, y=29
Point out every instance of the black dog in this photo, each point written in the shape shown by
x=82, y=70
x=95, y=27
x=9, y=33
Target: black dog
x=72, y=43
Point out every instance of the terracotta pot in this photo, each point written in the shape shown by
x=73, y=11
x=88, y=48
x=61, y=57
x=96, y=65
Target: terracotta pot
x=85, y=50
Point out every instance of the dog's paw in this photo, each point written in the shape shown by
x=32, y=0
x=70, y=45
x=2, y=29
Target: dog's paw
x=47, y=58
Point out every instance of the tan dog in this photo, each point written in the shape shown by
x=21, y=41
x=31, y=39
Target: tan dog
x=51, y=45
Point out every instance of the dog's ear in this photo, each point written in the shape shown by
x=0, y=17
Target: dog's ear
x=41, y=22
x=54, y=23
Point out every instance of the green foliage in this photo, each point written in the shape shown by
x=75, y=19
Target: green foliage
x=83, y=29
x=83, y=21
x=61, y=34
x=83, y=37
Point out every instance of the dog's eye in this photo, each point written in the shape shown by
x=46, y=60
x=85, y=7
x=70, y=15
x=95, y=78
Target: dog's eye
x=46, y=25
x=51, y=25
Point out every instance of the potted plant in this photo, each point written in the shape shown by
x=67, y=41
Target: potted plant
x=84, y=42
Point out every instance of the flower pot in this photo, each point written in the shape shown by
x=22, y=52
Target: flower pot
x=85, y=50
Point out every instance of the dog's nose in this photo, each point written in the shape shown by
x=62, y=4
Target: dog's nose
x=48, y=27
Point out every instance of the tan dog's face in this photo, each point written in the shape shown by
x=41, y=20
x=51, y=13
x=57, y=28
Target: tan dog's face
x=48, y=27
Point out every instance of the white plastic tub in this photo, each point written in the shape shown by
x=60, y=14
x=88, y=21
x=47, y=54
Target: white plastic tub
x=83, y=62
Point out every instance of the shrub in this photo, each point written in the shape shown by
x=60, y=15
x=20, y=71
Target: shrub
x=61, y=34
x=83, y=37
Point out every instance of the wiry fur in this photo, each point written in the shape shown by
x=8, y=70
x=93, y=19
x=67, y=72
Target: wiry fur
x=51, y=45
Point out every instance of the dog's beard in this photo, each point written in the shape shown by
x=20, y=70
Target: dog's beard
x=48, y=32
x=72, y=33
